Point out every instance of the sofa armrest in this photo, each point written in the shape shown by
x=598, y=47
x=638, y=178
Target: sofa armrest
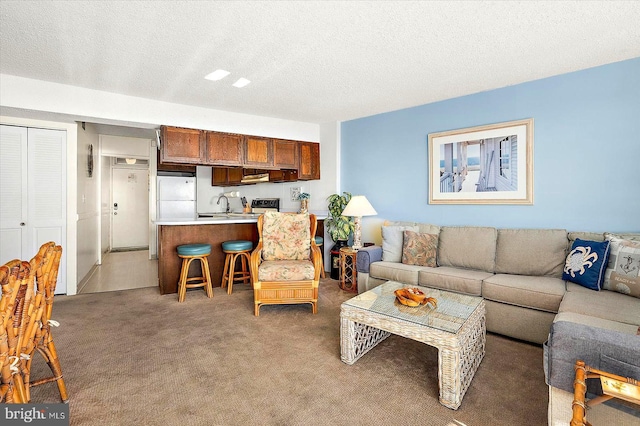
x=606, y=350
x=366, y=256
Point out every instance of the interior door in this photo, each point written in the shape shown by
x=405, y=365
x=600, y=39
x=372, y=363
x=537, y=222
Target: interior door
x=129, y=208
x=47, y=214
x=13, y=187
x=32, y=193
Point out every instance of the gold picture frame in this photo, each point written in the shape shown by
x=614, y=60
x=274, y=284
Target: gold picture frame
x=490, y=164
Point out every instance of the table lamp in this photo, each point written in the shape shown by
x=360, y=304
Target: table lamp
x=357, y=207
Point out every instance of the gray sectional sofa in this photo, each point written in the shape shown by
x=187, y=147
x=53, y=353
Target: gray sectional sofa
x=519, y=274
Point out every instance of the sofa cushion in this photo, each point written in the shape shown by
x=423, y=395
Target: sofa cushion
x=467, y=281
x=419, y=248
x=395, y=271
x=586, y=263
x=607, y=305
x=623, y=271
x=392, y=240
x=468, y=247
x=597, y=322
x=542, y=293
x=539, y=252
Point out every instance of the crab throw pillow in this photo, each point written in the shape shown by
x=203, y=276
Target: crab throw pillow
x=586, y=263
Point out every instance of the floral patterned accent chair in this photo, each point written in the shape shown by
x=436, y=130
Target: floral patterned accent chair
x=286, y=264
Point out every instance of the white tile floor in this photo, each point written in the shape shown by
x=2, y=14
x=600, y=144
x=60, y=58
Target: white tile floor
x=123, y=271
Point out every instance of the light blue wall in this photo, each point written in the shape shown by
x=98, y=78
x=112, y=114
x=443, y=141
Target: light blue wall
x=586, y=153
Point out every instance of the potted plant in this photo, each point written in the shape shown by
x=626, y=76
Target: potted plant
x=339, y=228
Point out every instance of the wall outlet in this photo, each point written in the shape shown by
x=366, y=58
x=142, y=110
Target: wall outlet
x=295, y=192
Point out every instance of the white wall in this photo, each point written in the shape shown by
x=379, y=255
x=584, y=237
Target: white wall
x=88, y=202
x=124, y=147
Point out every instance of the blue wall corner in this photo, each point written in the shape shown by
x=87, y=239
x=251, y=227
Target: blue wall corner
x=586, y=153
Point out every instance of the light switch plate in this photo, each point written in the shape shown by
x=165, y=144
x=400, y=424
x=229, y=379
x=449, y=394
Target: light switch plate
x=295, y=192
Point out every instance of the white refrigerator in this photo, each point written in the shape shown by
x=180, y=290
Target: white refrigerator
x=176, y=197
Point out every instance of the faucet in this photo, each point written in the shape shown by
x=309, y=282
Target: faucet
x=225, y=197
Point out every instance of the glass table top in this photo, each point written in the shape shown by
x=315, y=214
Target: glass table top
x=452, y=311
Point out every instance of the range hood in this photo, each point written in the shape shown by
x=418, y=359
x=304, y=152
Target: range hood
x=260, y=177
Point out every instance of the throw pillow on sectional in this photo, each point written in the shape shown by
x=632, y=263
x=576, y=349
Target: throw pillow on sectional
x=419, y=248
x=586, y=263
x=623, y=271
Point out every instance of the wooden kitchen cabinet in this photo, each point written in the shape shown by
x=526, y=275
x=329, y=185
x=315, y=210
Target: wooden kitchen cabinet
x=226, y=176
x=223, y=149
x=170, y=167
x=258, y=152
x=309, y=158
x=285, y=154
x=283, y=175
x=181, y=146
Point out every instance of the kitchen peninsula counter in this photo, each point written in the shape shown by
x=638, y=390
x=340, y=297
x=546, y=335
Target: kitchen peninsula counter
x=206, y=230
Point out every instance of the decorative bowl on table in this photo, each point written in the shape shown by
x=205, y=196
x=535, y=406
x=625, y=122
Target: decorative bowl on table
x=413, y=297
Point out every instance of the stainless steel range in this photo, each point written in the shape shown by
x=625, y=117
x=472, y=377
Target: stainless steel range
x=262, y=205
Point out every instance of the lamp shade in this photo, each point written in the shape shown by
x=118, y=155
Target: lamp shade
x=359, y=206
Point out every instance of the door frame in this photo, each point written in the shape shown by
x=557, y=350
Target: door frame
x=113, y=166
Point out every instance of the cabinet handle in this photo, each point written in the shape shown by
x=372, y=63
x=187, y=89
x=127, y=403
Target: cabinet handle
x=22, y=223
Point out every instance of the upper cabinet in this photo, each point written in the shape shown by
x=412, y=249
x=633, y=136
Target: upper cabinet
x=309, y=166
x=181, y=146
x=223, y=149
x=285, y=154
x=285, y=160
x=258, y=152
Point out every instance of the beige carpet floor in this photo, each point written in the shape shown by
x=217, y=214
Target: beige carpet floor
x=135, y=357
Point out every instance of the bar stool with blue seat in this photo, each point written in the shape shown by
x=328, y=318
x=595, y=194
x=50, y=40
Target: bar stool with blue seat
x=188, y=253
x=320, y=244
x=234, y=250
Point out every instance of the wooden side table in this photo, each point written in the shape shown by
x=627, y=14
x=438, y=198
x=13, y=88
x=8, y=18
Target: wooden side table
x=348, y=271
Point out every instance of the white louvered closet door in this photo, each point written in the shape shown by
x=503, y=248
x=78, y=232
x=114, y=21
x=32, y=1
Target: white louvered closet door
x=35, y=192
x=13, y=191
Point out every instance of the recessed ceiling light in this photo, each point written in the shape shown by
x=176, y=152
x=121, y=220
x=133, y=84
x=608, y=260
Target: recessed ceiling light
x=241, y=82
x=217, y=75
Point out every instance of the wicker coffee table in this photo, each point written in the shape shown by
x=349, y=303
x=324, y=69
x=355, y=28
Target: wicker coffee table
x=456, y=327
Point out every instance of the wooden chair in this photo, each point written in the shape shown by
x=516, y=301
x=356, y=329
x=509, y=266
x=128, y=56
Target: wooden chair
x=21, y=309
x=46, y=265
x=10, y=286
x=625, y=388
x=286, y=264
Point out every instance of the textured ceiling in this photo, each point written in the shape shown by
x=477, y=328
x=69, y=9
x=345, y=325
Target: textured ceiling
x=311, y=61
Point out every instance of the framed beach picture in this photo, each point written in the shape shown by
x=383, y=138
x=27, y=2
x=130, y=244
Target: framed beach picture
x=490, y=164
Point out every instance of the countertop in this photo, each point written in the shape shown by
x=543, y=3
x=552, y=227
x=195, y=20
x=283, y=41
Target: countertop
x=222, y=218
